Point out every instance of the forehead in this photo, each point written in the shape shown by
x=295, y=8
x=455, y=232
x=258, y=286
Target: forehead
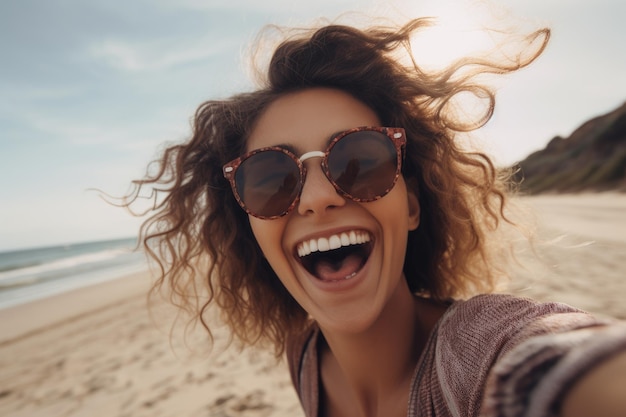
x=306, y=119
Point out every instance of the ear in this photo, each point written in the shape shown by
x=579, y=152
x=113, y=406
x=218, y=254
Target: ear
x=414, y=205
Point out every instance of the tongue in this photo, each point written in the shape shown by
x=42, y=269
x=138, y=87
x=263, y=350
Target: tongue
x=328, y=270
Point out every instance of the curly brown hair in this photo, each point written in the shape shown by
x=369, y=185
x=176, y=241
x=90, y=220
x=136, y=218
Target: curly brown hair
x=200, y=237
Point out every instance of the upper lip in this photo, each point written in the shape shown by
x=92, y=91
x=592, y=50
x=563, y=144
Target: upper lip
x=332, y=240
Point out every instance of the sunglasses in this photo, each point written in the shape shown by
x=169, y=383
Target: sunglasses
x=363, y=164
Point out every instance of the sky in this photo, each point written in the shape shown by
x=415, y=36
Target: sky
x=91, y=90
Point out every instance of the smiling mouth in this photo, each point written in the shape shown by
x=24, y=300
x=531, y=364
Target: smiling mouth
x=336, y=258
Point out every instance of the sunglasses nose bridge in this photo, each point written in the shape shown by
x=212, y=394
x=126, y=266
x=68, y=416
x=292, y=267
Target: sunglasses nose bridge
x=306, y=156
x=312, y=154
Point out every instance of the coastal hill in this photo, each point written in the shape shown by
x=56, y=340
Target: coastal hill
x=593, y=158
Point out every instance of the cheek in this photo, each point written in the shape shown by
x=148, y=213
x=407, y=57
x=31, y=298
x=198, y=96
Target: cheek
x=269, y=234
x=395, y=218
x=262, y=233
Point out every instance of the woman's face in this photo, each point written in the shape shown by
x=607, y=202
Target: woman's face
x=346, y=289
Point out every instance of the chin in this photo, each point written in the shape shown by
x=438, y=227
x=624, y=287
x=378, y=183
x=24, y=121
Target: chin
x=348, y=322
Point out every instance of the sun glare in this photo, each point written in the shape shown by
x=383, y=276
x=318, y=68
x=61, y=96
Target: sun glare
x=460, y=27
x=459, y=30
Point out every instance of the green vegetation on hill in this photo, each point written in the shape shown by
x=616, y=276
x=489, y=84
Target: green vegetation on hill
x=593, y=158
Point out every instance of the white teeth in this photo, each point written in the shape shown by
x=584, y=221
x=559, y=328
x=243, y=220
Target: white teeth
x=332, y=242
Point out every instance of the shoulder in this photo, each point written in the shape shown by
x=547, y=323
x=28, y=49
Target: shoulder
x=504, y=307
x=496, y=320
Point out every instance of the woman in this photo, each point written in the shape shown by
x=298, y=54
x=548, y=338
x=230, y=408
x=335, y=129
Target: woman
x=341, y=223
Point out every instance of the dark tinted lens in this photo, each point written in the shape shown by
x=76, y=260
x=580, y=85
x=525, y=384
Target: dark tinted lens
x=363, y=164
x=268, y=182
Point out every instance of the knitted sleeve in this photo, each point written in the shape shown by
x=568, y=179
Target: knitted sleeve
x=534, y=376
x=506, y=356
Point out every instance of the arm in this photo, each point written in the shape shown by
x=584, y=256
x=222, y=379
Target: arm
x=569, y=367
x=600, y=392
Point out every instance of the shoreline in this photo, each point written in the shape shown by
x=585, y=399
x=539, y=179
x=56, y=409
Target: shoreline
x=24, y=319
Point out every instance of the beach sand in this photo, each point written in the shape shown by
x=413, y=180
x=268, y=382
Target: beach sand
x=98, y=352
x=580, y=254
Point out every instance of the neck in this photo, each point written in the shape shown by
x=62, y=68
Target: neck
x=375, y=367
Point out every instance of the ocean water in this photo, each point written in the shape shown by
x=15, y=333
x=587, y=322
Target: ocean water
x=31, y=274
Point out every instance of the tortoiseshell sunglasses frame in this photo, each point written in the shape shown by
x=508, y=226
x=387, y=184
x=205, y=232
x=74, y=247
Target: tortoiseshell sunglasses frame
x=397, y=136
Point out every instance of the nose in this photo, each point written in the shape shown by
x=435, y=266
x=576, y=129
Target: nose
x=318, y=194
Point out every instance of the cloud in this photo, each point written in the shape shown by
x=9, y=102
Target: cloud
x=156, y=55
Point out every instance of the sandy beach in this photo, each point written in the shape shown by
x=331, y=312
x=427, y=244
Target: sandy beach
x=98, y=351
x=579, y=256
